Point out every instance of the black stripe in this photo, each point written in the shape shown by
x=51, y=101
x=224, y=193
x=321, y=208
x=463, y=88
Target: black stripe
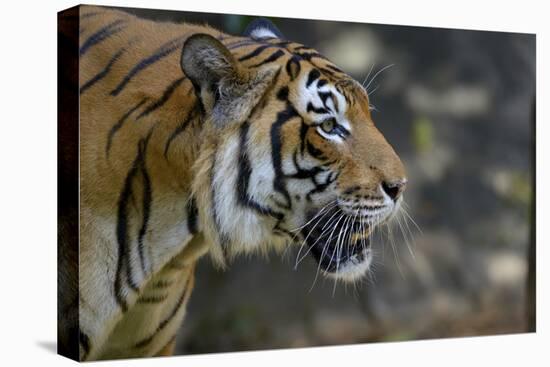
x=314, y=152
x=322, y=187
x=192, y=215
x=327, y=71
x=144, y=342
x=152, y=299
x=180, y=129
x=302, y=47
x=146, y=203
x=293, y=67
x=310, y=55
x=245, y=171
x=124, y=261
x=122, y=235
x=258, y=42
x=334, y=68
x=303, y=131
x=340, y=88
x=224, y=240
x=119, y=124
x=324, y=96
x=276, y=145
x=318, y=110
x=103, y=72
x=120, y=299
x=239, y=44
x=282, y=231
x=160, y=53
x=254, y=53
x=273, y=57
x=282, y=94
x=163, y=99
x=101, y=35
x=281, y=43
x=351, y=190
x=303, y=173
x=313, y=75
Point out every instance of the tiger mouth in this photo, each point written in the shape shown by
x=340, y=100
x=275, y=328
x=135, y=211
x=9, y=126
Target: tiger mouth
x=337, y=241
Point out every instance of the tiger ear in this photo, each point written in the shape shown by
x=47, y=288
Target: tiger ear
x=206, y=62
x=262, y=28
x=227, y=91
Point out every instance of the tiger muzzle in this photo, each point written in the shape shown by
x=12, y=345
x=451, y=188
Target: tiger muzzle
x=335, y=238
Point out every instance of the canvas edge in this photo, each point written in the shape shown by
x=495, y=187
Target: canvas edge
x=68, y=26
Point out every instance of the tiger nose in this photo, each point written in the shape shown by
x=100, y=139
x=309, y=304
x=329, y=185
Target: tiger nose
x=394, y=189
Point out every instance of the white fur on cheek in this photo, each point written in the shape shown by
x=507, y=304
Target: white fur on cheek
x=232, y=218
x=246, y=229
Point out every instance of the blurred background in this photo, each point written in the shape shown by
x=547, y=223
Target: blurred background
x=458, y=107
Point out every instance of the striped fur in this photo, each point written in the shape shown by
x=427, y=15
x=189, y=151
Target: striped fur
x=194, y=141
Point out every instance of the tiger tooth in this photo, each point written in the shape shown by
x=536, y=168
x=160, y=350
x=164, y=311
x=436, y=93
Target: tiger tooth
x=358, y=236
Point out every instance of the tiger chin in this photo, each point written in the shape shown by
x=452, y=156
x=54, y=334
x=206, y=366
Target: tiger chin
x=197, y=142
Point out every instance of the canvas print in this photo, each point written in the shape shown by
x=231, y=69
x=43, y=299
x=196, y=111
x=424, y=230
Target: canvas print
x=232, y=183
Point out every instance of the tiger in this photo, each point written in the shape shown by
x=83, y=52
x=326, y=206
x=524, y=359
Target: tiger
x=194, y=142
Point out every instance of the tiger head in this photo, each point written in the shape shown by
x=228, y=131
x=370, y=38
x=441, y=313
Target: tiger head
x=289, y=153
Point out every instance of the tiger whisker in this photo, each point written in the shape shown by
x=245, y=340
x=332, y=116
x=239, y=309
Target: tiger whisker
x=378, y=73
x=298, y=259
x=331, y=220
x=324, y=250
x=409, y=217
x=326, y=207
x=339, y=246
x=396, y=255
x=351, y=231
x=367, y=77
x=316, y=217
x=342, y=230
x=407, y=227
x=371, y=93
x=405, y=236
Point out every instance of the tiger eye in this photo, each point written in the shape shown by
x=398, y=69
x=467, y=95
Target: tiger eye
x=327, y=125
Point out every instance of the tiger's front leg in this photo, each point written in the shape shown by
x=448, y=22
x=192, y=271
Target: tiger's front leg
x=149, y=328
x=150, y=324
